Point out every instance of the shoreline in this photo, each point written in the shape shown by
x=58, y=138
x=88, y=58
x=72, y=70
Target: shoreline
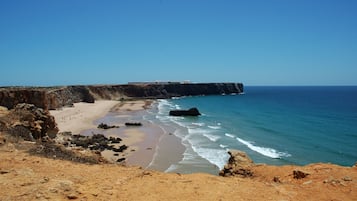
x=149, y=145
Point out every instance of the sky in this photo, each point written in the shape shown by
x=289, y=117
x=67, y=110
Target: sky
x=257, y=42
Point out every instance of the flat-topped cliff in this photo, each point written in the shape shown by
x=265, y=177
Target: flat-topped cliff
x=56, y=97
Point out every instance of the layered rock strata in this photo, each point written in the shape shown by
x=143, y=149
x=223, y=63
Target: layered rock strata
x=57, y=97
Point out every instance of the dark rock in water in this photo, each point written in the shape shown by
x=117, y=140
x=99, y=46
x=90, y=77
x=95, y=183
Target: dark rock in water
x=191, y=112
x=106, y=126
x=133, y=124
x=238, y=164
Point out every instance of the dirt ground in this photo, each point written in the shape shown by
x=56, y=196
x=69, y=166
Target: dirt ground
x=25, y=176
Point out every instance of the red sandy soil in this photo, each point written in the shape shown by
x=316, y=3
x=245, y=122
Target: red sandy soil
x=24, y=176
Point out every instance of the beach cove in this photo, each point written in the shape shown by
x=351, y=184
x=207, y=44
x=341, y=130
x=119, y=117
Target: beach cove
x=312, y=126
x=145, y=142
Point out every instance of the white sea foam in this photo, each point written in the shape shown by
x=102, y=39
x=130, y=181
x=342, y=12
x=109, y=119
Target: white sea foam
x=211, y=137
x=218, y=157
x=172, y=167
x=178, y=97
x=229, y=135
x=187, y=156
x=269, y=152
x=198, y=124
x=200, y=141
x=164, y=107
x=223, y=146
x=214, y=127
x=197, y=130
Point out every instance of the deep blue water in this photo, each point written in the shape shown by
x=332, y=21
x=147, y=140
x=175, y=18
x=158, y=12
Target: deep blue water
x=274, y=125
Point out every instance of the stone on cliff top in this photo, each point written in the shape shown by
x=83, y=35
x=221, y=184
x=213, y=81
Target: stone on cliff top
x=191, y=112
x=238, y=164
x=298, y=174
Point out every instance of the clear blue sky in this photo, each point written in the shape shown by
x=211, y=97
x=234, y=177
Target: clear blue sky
x=266, y=42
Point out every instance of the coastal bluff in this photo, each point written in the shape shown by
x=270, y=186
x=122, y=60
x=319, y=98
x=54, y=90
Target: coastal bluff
x=57, y=97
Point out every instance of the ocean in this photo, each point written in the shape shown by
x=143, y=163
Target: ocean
x=273, y=125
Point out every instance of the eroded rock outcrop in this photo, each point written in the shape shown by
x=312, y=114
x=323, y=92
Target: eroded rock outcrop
x=29, y=122
x=239, y=164
x=96, y=143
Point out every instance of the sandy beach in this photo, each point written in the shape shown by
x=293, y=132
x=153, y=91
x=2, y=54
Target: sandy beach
x=82, y=115
x=143, y=140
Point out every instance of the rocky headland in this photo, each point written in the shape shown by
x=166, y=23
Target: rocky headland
x=57, y=97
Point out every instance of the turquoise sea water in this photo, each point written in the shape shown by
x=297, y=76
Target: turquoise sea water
x=274, y=125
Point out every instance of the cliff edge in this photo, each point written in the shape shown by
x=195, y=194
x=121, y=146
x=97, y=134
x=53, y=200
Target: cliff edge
x=57, y=97
x=24, y=176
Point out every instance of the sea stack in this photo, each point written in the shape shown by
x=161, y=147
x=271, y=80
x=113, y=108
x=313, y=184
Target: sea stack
x=190, y=112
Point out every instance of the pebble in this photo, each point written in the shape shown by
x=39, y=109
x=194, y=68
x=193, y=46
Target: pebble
x=72, y=196
x=276, y=179
x=53, y=190
x=44, y=180
x=65, y=185
x=347, y=178
x=4, y=171
x=308, y=182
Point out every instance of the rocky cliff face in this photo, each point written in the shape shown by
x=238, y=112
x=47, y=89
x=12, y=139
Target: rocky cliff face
x=52, y=98
x=10, y=97
x=29, y=122
x=66, y=96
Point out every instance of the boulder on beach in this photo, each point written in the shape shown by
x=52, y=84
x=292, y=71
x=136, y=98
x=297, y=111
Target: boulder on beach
x=106, y=126
x=133, y=124
x=190, y=112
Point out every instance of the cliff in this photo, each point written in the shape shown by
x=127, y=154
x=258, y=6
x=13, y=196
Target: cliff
x=56, y=97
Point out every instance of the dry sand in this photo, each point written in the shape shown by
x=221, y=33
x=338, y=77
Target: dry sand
x=82, y=115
